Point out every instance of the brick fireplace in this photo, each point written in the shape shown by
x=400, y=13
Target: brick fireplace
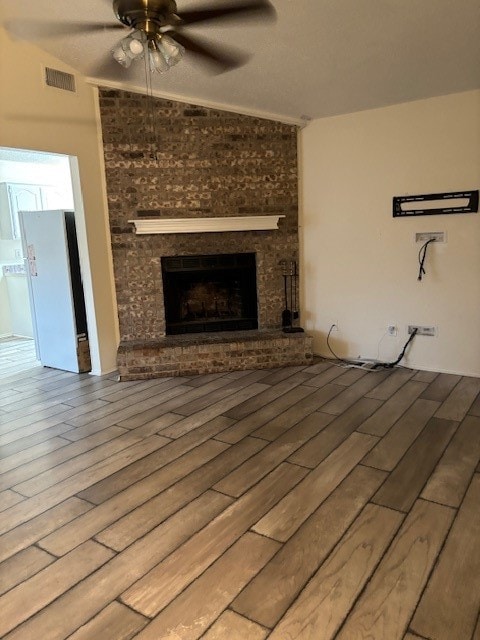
x=208, y=164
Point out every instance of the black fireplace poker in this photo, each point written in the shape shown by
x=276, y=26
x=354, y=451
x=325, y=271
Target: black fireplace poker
x=290, y=286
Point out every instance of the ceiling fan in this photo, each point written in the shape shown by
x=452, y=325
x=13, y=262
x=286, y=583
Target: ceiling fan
x=156, y=31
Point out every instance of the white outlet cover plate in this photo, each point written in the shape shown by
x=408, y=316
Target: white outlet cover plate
x=423, y=236
x=434, y=329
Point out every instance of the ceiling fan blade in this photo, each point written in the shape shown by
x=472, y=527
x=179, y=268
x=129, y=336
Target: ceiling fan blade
x=261, y=8
x=218, y=59
x=37, y=30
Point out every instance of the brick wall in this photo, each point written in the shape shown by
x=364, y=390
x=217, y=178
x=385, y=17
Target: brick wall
x=208, y=163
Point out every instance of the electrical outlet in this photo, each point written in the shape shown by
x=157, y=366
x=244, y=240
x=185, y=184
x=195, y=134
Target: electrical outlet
x=392, y=330
x=18, y=253
x=422, y=330
x=333, y=327
x=425, y=236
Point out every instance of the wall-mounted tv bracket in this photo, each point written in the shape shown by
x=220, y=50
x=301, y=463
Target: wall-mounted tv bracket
x=433, y=204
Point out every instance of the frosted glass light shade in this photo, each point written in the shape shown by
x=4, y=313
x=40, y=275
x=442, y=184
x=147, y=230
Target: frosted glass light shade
x=158, y=63
x=121, y=57
x=172, y=51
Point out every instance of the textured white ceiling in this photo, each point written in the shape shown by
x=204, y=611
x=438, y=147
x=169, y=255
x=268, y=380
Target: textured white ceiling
x=320, y=58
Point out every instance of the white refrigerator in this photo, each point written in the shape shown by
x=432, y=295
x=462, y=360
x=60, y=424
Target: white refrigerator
x=55, y=288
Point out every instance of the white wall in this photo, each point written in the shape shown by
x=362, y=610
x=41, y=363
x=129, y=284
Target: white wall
x=33, y=116
x=5, y=314
x=9, y=252
x=360, y=264
x=18, y=299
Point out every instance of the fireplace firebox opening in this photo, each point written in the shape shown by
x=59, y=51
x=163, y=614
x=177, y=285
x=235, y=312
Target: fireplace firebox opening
x=208, y=293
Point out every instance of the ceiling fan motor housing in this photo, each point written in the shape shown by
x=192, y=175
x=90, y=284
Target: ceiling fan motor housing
x=145, y=15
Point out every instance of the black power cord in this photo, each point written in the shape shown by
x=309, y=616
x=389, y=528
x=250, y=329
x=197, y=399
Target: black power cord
x=422, y=254
x=377, y=365
x=390, y=365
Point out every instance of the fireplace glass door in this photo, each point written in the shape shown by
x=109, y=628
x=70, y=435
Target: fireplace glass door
x=210, y=293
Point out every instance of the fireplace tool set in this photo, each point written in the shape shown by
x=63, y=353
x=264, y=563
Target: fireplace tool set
x=290, y=288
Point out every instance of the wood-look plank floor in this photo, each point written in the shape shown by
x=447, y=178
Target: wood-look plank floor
x=301, y=503
x=16, y=355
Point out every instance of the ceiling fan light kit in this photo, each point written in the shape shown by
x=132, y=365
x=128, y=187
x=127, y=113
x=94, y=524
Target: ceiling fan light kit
x=161, y=51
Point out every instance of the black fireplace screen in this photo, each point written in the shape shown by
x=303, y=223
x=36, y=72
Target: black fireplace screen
x=210, y=293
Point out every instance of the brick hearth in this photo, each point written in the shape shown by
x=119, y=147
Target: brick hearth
x=200, y=354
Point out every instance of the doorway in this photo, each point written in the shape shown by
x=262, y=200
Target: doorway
x=29, y=180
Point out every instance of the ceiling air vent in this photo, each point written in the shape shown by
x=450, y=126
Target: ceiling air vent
x=59, y=79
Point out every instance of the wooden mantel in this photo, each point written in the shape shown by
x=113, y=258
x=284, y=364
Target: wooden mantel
x=205, y=225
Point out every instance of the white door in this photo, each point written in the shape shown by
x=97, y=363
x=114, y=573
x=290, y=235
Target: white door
x=44, y=238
